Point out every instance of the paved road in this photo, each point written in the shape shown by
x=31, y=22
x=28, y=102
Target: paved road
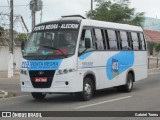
x=144, y=97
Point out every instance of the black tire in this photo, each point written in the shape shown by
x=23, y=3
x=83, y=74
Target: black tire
x=129, y=84
x=87, y=92
x=38, y=95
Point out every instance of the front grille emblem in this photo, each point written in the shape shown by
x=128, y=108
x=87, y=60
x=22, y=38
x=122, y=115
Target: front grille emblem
x=41, y=73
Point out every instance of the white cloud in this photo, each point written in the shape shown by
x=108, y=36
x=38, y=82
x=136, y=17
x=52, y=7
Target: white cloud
x=54, y=9
x=150, y=7
x=64, y=7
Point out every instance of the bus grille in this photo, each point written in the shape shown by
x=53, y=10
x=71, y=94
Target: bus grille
x=41, y=73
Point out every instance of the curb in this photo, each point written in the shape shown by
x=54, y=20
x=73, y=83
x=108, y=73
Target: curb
x=154, y=71
x=3, y=94
x=14, y=77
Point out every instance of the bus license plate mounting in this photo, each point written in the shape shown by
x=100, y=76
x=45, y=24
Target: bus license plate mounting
x=41, y=79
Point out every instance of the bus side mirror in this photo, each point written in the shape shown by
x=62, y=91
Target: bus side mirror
x=87, y=43
x=22, y=45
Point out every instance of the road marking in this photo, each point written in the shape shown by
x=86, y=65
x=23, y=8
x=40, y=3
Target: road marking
x=14, y=97
x=99, y=103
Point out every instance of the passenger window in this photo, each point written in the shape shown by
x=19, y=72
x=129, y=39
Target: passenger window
x=99, y=39
x=86, y=35
x=124, y=40
x=112, y=40
x=135, y=42
x=142, y=42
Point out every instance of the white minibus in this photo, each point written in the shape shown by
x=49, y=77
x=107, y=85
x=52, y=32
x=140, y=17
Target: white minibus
x=79, y=56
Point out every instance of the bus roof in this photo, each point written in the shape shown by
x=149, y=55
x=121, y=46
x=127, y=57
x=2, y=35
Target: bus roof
x=110, y=25
x=99, y=24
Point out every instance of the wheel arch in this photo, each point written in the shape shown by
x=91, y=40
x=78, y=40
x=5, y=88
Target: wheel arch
x=91, y=75
x=131, y=71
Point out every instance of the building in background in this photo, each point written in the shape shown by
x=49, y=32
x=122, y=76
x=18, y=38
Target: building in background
x=151, y=28
x=152, y=35
x=4, y=56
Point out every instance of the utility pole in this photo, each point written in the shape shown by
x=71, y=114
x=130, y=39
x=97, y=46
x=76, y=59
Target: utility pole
x=10, y=57
x=91, y=8
x=41, y=16
x=33, y=19
x=33, y=14
x=35, y=5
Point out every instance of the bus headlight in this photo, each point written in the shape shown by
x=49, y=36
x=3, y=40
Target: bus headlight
x=65, y=71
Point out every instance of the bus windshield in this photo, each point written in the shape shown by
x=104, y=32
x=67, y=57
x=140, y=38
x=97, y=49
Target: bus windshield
x=58, y=43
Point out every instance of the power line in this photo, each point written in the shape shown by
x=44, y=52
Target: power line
x=4, y=6
x=17, y=6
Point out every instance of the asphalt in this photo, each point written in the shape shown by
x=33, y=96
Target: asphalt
x=10, y=87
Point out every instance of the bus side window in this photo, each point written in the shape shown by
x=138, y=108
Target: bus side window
x=143, y=47
x=129, y=40
x=99, y=39
x=106, y=39
x=135, y=42
x=124, y=40
x=86, y=34
x=112, y=40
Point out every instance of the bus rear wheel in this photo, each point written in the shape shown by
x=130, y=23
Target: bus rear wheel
x=38, y=95
x=129, y=84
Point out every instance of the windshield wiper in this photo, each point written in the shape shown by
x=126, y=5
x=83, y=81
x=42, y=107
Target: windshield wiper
x=54, y=49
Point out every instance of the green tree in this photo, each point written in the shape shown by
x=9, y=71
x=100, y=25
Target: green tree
x=150, y=46
x=158, y=47
x=1, y=30
x=116, y=11
x=22, y=36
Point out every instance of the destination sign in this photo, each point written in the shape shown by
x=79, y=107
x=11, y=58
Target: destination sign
x=54, y=26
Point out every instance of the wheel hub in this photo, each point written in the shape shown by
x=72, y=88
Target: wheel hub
x=129, y=83
x=87, y=89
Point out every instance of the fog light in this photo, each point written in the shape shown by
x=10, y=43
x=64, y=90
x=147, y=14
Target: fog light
x=22, y=83
x=67, y=83
x=24, y=72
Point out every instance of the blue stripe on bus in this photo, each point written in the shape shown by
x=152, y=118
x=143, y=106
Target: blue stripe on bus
x=41, y=64
x=119, y=63
x=84, y=56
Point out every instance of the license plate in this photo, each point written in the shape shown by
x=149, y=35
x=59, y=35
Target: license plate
x=41, y=79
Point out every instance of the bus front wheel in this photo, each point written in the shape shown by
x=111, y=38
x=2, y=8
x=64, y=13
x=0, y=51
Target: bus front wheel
x=38, y=95
x=87, y=92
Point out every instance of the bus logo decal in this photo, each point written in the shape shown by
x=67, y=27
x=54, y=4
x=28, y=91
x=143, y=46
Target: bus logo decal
x=119, y=63
x=114, y=65
x=41, y=73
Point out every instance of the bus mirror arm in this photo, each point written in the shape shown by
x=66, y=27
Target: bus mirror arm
x=87, y=46
x=87, y=43
x=79, y=54
x=22, y=45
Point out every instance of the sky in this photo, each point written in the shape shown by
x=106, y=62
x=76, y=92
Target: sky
x=54, y=9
